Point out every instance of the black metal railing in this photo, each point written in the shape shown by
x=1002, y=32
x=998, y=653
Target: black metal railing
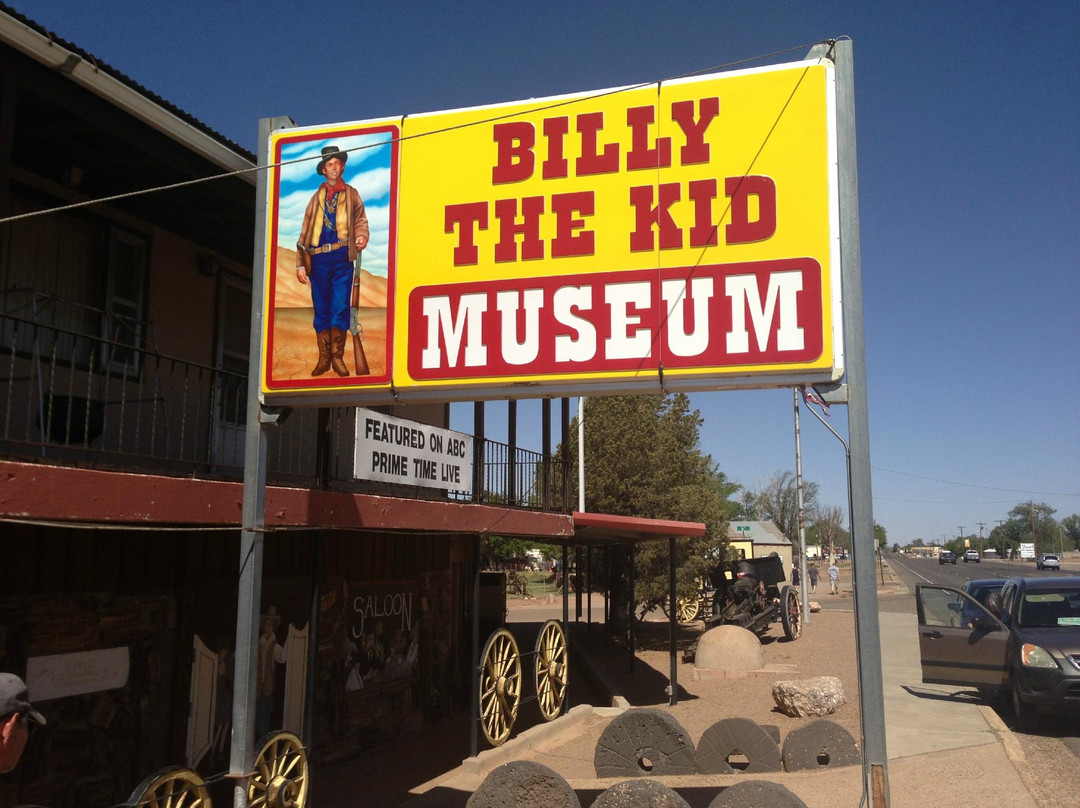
x=71, y=397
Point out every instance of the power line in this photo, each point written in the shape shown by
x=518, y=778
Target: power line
x=977, y=485
x=515, y=114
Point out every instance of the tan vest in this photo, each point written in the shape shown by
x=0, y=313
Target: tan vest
x=341, y=220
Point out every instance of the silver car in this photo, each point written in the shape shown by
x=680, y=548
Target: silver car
x=1048, y=561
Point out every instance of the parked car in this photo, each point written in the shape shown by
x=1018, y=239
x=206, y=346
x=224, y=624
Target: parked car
x=972, y=555
x=980, y=589
x=946, y=557
x=1032, y=652
x=1048, y=561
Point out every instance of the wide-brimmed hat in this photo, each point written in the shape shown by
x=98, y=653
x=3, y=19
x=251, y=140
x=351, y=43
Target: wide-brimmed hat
x=14, y=698
x=329, y=153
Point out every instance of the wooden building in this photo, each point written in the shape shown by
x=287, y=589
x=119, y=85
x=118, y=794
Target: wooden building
x=123, y=380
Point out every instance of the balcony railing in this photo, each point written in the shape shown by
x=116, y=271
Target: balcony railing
x=71, y=397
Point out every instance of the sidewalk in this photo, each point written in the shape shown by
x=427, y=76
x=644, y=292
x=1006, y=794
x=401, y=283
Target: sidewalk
x=944, y=748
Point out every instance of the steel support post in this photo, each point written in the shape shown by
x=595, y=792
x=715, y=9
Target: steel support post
x=867, y=628
x=474, y=737
x=253, y=519
x=631, y=609
x=802, y=513
x=673, y=624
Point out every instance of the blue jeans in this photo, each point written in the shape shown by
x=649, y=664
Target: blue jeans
x=331, y=289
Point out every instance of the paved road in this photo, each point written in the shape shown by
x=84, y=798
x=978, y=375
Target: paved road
x=1052, y=748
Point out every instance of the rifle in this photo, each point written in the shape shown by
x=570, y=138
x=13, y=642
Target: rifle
x=355, y=328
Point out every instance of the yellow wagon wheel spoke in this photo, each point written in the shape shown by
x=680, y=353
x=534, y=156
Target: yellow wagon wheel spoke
x=279, y=773
x=687, y=609
x=500, y=686
x=551, y=669
x=171, y=787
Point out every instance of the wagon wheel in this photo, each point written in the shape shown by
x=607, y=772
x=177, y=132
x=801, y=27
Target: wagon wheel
x=687, y=609
x=790, y=613
x=280, y=773
x=552, y=670
x=500, y=686
x=171, y=787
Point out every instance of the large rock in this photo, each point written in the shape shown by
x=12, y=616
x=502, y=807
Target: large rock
x=640, y=794
x=821, y=695
x=643, y=741
x=821, y=744
x=729, y=648
x=524, y=784
x=756, y=794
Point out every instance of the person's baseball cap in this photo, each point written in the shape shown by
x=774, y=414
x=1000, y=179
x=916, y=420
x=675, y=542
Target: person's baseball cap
x=14, y=698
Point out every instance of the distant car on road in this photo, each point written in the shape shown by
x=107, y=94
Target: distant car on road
x=946, y=557
x=1048, y=561
x=971, y=555
x=1032, y=652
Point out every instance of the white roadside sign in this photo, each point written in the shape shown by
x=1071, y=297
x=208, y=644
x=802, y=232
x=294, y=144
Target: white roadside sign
x=395, y=450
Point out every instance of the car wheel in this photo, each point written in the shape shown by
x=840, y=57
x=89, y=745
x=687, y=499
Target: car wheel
x=1023, y=713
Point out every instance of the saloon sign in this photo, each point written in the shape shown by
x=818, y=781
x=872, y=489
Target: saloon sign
x=675, y=236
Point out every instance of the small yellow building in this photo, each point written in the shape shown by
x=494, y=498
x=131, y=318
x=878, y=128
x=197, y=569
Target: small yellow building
x=758, y=540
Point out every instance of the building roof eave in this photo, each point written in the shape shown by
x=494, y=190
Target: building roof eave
x=109, y=84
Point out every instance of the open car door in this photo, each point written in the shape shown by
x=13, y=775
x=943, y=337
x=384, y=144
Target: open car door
x=960, y=642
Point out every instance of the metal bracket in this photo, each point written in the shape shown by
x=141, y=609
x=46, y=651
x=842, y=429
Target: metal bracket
x=273, y=416
x=822, y=50
x=832, y=393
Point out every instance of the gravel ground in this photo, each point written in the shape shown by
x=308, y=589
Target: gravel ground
x=826, y=648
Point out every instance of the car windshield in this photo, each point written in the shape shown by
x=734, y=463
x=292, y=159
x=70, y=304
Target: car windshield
x=1050, y=608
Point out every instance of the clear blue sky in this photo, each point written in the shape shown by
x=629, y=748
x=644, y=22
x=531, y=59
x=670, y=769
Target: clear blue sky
x=969, y=177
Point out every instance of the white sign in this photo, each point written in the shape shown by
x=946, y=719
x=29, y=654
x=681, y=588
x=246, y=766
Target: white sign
x=1027, y=550
x=394, y=450
x=60, y=675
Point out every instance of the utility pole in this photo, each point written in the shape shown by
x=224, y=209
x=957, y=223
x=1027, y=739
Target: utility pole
x=1031, y=505
x=981, y=526
x=961, y=527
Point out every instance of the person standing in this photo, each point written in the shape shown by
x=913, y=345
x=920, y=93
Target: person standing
x=334, y=231
x=795, y=573
x=16, y=713
x=834, y=578
x=812, y=574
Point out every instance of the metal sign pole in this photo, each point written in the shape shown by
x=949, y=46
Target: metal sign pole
x=249, y=592
x=803, y=584
x=867, y=629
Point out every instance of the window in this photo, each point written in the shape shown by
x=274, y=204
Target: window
x=81, y=276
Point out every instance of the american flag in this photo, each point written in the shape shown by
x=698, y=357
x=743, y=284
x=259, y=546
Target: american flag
x=811, y=397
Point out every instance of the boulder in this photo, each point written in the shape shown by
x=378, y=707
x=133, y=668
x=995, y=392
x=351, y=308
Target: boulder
x=640, y=794
x=729, y=648
x=818, y=696
x=524, y=784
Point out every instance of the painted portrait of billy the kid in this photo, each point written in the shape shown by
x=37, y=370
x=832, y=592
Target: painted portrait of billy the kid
x=332, y=268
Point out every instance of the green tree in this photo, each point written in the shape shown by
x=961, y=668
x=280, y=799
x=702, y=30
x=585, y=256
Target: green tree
x=643, y=458
x=880, y=536
x=1032, y=522
x=1071, y=526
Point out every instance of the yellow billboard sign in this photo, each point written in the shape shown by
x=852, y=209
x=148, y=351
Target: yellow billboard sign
x=680, y=235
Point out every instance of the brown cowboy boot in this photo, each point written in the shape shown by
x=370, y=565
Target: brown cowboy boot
x=323, y=365
x=337, y=351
